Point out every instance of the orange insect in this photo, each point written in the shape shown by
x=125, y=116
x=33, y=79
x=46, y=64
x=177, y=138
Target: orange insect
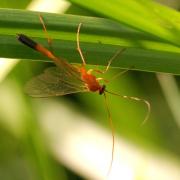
x=66, y=78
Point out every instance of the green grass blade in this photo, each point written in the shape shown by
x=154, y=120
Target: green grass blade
x=100, y=38
x=143, y=15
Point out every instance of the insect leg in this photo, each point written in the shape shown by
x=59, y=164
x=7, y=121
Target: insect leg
x=120, y=73
x=112, y=131
x=119, y=52
x=148, y=105
x=109, y=63
x=78, y=45
x=46, y=33
x=102, y=79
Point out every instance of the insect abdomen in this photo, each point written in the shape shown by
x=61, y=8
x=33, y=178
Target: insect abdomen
x=27, y=41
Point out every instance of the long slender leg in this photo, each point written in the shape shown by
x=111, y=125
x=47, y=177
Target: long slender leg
x=112, y=132
x=119, y=52
x=102, y=79
x=148, y=105
x=78, y=45
x=46, y=33
x=109, y=63
x=114, y=77
x=120, y=73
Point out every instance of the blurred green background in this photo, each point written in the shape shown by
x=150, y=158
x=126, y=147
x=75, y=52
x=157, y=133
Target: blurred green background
x=26, y=150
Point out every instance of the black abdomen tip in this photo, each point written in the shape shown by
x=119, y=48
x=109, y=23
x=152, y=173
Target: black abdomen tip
x=27, y=41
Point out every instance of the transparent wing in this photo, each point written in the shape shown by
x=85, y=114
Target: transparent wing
x=55, y=82
x=68, y=68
